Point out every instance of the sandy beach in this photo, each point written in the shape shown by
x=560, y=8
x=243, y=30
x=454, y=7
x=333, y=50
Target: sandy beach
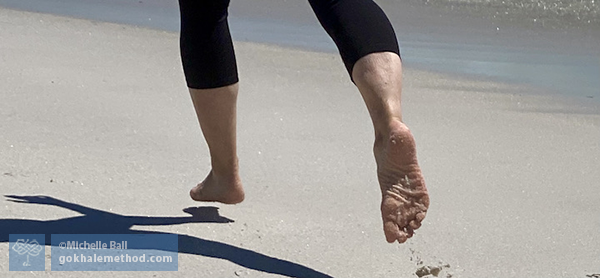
x=98, y=115
x=554, y=46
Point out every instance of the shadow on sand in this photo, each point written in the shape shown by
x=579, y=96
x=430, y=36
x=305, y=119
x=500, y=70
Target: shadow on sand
x=95, y=221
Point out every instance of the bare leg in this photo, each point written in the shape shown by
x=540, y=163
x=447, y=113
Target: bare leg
x=216, y=111
x=405, y=201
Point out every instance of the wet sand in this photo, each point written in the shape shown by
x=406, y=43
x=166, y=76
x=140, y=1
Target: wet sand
x=445, y=36
x=97, y=114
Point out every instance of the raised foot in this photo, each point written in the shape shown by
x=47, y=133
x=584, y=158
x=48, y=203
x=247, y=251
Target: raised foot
x=226, y=190
x=404, y=196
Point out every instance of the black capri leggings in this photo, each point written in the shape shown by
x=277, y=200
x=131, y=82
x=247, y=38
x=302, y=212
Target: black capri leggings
x=358, y=28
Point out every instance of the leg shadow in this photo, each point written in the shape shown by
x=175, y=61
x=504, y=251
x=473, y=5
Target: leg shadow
x=94, y=221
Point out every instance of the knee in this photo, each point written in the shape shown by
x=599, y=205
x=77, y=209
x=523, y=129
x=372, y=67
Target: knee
x=378, y=69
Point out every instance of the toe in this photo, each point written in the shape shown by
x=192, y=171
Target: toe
x=392, y=232
x=419, y=217
x=409, y=232
x=403, y=237
x=415, y=224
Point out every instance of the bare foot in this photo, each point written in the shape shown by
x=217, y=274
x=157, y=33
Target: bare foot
x=404, y=195
x=226, y=190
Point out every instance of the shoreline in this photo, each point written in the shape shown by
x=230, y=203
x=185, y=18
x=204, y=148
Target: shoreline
x=562, y=63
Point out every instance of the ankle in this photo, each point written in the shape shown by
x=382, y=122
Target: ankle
x=227, y=169
x=387, y=128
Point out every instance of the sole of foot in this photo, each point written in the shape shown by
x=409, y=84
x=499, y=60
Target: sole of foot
x=404, y=196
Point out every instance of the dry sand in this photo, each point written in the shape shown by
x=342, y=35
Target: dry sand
x=97, y=114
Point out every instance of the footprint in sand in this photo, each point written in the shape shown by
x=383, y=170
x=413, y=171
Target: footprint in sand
x=439, y=269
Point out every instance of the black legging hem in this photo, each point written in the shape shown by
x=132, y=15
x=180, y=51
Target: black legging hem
x=358, y=28
x=230, y=80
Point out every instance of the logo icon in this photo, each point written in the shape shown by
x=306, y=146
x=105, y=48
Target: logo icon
x=31, y=247
x=24, y=252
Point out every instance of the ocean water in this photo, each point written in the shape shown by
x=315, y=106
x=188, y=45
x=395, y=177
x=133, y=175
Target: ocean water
x=553, y=44
x=557, y=14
